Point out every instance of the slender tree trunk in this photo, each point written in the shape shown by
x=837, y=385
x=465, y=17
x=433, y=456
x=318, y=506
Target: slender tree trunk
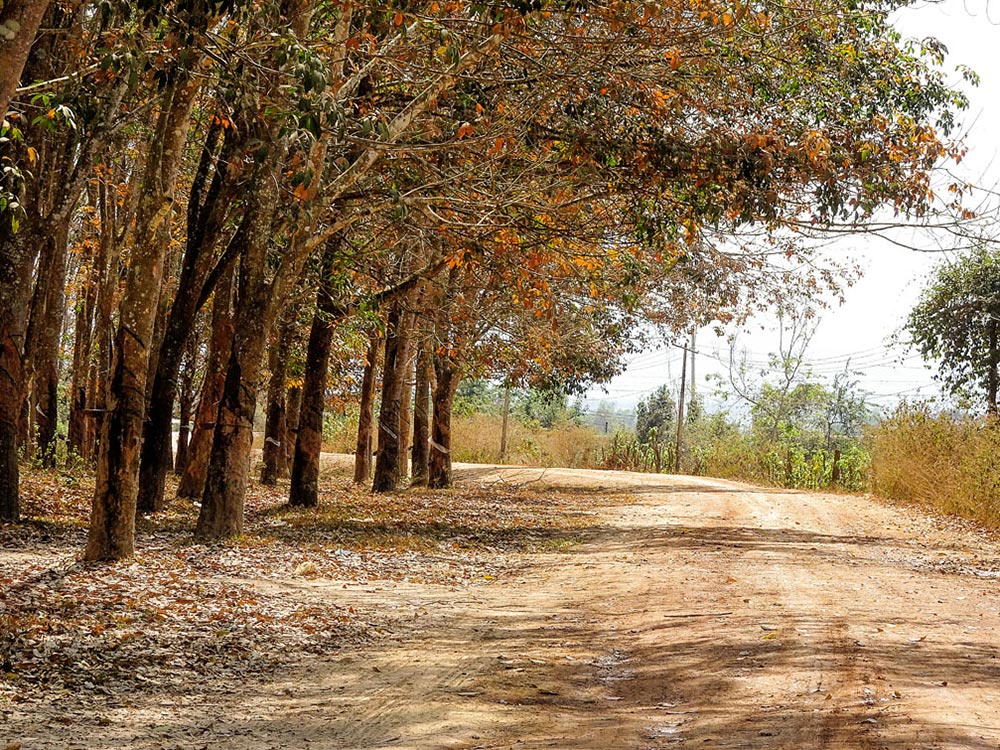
x=45, y=390
x=187, y=377
x=309, y=439
x=293, y=406
x=27, y=425
x=366, y=415
x=78, y=434
x=107, y=286
x=276, y=426
x=439, y=473
x=407, y=357
x=387, y=460
x=192, y=484
x=421, y=414
x=112, y=526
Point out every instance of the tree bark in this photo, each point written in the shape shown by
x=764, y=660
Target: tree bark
x=79, y=439
x=421, y=414
x=192, y=484
x=366, y=415
x=386, y=478
x=112, y=526
x=304, y=490
x=107, y=288
x=17, y=257
x=276, y=426
x=46, y=386
x=293, y=405
x=257, y=302
x=205, y=221
x=186, y=381
x=22, y=18
x=439, y=471
x=407, y=358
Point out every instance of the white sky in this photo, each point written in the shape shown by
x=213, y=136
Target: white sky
x=876, y=306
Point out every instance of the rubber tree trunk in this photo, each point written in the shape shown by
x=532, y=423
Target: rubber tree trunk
x=192, y=484
x=366, y=415
x=387, y=477
x=17, y=257
x=112, y=521
x=407, y=357
x=204, y=225
x=276, y=425
x=228, y=476
x=421, y=415
x=107, y=289
x=439, y=470
x=304, y=489
x=78, y=438
x=22, y=19
x=45, y=388
x=186, y=399
x=293, y=405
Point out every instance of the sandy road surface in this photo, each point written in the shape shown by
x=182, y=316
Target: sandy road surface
x=708, y=614
x=705, y=614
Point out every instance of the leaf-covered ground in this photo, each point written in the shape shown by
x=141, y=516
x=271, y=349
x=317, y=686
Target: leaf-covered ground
x=184, y=613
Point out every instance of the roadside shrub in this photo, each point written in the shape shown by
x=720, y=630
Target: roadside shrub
x=942, y=461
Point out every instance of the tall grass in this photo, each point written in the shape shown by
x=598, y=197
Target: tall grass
x=476, y=439
x=941, y=461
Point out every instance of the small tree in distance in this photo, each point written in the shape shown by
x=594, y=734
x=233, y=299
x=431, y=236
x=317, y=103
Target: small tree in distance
x=955, y=322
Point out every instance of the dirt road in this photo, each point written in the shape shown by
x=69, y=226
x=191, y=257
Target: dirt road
x=705, y=614
x=699, y=614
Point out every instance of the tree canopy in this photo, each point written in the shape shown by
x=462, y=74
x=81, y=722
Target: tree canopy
x=955, y=324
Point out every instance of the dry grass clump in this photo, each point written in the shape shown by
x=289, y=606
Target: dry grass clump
x=476, y=439
x=939, y=460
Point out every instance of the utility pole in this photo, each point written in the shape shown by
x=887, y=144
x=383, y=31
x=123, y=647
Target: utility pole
x=680, y=414
x=694, y=330
x=503, y=427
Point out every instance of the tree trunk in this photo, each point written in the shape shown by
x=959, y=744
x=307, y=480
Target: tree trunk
x=293, y=406
x=276, y=426
x=187, y=377
x=112, y=526
x=192, y=484
x=229, y=463
x=78, y=439
x=204, y=226
x=439, y=472
x=309, y=440
x=256, y=307
x=22, y=18
x=45, y=389
x=17, y=257
x=387, y=461
x=407, y=359
x=421, y=414
x=366, y=415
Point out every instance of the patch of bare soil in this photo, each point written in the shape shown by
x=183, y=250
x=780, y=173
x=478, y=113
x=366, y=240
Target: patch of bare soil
x=583, y=610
